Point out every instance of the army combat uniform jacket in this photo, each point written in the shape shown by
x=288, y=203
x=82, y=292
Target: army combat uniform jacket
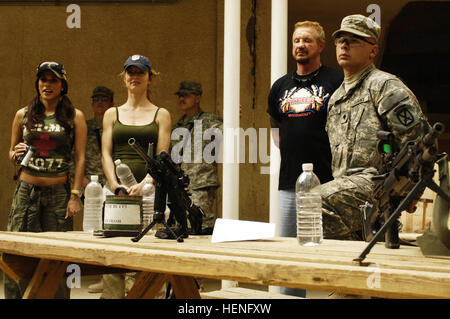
x=94, y=150
x=201, y=173
x=376, y=101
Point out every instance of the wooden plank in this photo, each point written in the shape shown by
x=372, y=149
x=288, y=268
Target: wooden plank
x=280, y=261
x=396, y=258
x=147, y=286
x=46, y=279
x=327, y=252
x=184, y=287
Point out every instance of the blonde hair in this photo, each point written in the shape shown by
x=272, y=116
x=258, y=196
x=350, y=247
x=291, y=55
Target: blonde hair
x=312, y=24
x=151, y=74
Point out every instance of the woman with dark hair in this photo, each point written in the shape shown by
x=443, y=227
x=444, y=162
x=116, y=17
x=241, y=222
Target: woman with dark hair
x=49, y=127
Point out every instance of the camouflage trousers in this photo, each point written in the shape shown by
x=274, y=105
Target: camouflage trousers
x=37, y=209
x=341, y=199
x=205, y=197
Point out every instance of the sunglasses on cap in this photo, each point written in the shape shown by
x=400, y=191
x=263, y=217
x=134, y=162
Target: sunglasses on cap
x=56, y=68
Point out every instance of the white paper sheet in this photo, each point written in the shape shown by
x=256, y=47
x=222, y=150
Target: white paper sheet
x=237, y=230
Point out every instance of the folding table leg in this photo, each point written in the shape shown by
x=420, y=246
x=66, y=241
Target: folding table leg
x=184, y=287
x=46, y=279
x=147, y=285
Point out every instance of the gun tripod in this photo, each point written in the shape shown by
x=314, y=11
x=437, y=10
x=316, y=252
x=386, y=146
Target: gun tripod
x=425, y=181
x=158, y=217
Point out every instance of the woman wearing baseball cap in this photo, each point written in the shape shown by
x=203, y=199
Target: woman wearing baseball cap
x=146, y=123
x=43, y=136
x=138, y=118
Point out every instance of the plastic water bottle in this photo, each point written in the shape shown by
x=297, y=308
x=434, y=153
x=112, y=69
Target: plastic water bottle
x=309, y=208
x=148, y=201
x=124, y=174
x=93, y=203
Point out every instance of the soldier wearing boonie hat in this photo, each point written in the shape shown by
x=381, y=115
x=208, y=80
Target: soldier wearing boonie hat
x=369, y=100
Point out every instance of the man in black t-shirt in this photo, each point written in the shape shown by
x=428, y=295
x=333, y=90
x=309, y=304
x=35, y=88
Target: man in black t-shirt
x=298, y=108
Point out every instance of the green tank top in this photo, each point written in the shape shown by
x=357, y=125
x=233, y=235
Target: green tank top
x=143, y=134
x=53, y=147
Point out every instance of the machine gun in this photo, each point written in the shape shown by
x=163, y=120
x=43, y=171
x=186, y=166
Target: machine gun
x=405, y=173
x=171, y=183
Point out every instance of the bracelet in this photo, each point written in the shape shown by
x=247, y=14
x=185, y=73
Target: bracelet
x=75, y=192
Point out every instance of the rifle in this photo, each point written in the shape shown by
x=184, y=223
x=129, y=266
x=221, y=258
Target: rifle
x=405, y=173
x=171, y=183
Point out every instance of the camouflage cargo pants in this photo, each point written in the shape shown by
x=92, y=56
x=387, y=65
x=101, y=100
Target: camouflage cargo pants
x=341, y=199
x=205, y=197
x=37, y=209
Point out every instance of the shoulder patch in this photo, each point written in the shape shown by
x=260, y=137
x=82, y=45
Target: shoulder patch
x=404, y=116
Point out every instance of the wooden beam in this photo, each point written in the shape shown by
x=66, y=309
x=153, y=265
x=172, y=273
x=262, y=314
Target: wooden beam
x=46, y=279
x=147, y=286
x=184, y=287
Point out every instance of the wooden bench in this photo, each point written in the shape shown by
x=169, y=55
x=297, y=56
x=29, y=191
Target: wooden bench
x=243, y=293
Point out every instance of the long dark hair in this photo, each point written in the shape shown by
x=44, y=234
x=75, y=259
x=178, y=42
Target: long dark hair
x=65, y=113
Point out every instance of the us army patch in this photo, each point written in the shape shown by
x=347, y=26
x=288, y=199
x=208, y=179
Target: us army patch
x=405, y=116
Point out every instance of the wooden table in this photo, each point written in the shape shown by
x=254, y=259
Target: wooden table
x=399, y=273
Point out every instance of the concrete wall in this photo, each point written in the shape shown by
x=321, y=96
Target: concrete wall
x=184, y=40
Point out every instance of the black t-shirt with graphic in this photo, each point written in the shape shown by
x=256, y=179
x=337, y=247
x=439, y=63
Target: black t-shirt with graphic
x=300, y=103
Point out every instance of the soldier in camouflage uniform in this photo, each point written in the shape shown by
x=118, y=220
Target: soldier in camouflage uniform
x=367, y=101
x=102, y=99
x=203, y=176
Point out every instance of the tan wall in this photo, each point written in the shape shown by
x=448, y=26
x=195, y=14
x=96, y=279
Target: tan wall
x=183, y=40
x=179, y=39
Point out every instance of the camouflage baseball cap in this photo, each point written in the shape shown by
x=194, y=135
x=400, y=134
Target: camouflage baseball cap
x=187, y=87
x=55, y=67
x=359, y=25
x=104, y=91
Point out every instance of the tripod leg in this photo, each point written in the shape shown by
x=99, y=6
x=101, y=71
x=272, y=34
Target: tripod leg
x=178, y=238
x=142, y=233
x=405, y=202
x=434, y=187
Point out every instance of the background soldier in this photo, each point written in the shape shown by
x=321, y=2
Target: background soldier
x=203, y=176
x=102, y=99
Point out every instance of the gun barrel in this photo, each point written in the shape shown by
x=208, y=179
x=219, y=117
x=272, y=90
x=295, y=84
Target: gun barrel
x=135, y=145
x=437, y=129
